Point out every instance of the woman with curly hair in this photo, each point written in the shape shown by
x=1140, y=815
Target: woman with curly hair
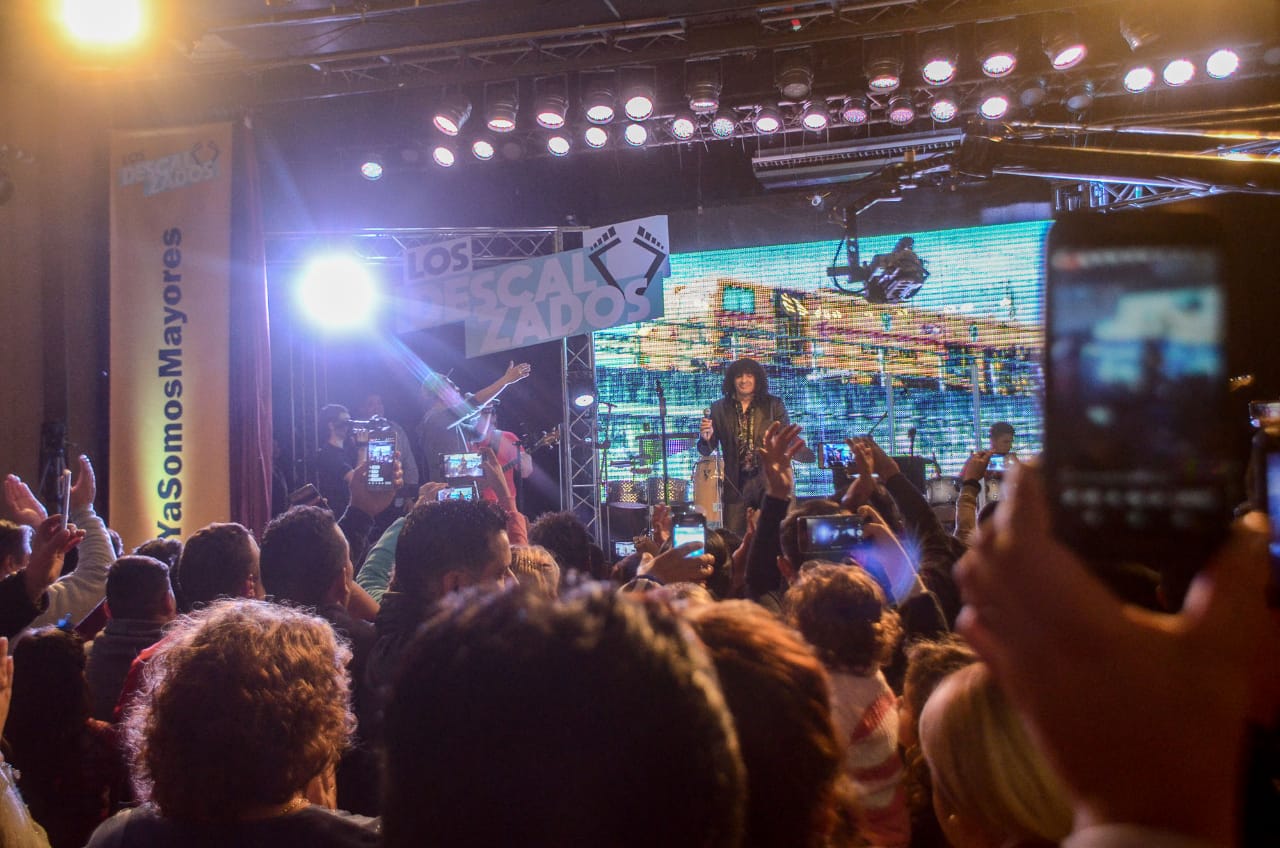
x=245, y=711
x=841, y=611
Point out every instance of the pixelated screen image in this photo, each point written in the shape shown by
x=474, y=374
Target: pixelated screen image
x=961, y=354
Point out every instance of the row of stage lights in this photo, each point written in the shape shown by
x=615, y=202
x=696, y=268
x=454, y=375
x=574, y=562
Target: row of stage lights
x=635, y=97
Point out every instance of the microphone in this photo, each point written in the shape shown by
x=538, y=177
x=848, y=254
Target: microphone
x=658, y=384
x=911, y=434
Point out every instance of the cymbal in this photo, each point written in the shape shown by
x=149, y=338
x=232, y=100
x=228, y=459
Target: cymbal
x=623, y=463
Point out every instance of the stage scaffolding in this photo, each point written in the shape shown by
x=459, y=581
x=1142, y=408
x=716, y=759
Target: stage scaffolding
x=579, y=463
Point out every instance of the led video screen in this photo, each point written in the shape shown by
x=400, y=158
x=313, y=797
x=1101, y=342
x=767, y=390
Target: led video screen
x=960, y=354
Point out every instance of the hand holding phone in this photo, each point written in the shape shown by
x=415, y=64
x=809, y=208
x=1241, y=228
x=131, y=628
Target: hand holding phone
x=690, y=527
x=462, y=464
x=457, y=493
x=380, y=473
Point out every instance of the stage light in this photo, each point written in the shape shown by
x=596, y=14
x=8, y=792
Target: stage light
x=1031, y=93
x=103, y=23
x=636, y=135
x=901, y=110
x=815, y=117
x=683, y=126
x=794, y=77
x=1139, y=25
x=994, y=105
x=638, y=93
x=1079, y=96
x=723, y=125
x=596, y=137
x=550, y=109
x=854, y=110
x=372, y=168
x=1179, y=72
x=1222, y=63
x=768, y=120
x=444, y=155
x=1062, y=43
x=998, y=49
x=452, y=114
x=1139, y=79
x=702, y=86
x=938, y=57
x=337, y=291
x=944, y=109
x=482, y=149
x=501, y=106
x=598, y=107
x=883, y=63
x=558, y=145
x=580, y=388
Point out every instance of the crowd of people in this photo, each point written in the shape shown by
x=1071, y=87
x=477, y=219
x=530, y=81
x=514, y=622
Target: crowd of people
x=470, y=677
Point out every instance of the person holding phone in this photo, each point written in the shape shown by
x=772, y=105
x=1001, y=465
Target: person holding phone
x=505, y=446
x=335, y=460
x=737, y=423
x=448, y=407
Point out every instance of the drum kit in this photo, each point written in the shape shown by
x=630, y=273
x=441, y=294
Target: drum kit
x=700, y=492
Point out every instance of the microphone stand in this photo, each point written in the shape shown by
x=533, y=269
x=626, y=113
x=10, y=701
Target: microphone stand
x=604, y=473
x=662, y=426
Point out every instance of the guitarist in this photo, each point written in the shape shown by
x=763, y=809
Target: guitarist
x=506, y=446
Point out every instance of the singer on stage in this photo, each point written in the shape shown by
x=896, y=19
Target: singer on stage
x=737, y=424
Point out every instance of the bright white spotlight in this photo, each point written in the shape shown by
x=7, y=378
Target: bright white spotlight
x=1179, y=72
x=815, y=117
x=482, y=149
x=584, y=399
x=1222, y=63
x=768, y=121
x=636, y=135
x=371, y=168
x=943, y=110
x=103, y=23
x=1139, y=79
x=683, y=126
x=558, y=145
x=444, y=155
x=337, y=291
x=596, y=137
x=994, y=106
x=452, y=114
x=723, y=125
x=999, y=64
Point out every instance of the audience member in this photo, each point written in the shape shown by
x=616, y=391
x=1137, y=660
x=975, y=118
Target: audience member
x=15, y=547
x=841, y=611
x=991, y=786
x=235, y=740
x=534, y=565
x=567, y=538
x=25, y=593
x=17, y=828
x=335, y=459
x=140, y=603
x=594, y=721
x=166, y=549
x=72, y=773
x=779, y=696
x=220, y=560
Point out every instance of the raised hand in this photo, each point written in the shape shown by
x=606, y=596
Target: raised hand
x=781, y=444
x=680, y=565
x=493, y=476
x=49, y=546
x=85, y=487
x=515, y=373
x=21, y=504
x=6, y=681
x=661, y=522
x=372, y=501
x=863, y=485
x=975, y=467
x=885, y=466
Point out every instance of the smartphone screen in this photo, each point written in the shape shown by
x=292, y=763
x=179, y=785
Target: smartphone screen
x=1272, y=475
x=462, y=465
x=832, y=537
x=687, y=529
x=623, y=549
x=1136, y=452
x=836, y=454
x=457, y=493
x=382, y=457
x=996, y=463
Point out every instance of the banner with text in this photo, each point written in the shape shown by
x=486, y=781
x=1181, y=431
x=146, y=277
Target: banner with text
x=170, y=330
x=616, y=278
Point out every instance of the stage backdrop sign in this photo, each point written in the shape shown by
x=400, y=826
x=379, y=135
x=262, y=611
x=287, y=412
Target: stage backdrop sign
x=615, y=279
x=170, y=295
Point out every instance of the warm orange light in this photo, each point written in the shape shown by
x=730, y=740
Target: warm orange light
x=103, y=23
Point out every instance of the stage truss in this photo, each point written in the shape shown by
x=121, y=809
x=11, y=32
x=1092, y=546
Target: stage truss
x=579, y=464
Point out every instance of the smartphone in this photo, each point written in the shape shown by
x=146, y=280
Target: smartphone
x=623, y=549
x=690, y=527
x=462, y=464
x=457, y=493
x=832, y=537
x=382, y=463
x=1137, y=450
x=1271, y=483
x=834, y=454
x=64, y=496
x=995, y=465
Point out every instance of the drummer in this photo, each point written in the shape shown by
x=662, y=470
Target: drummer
x=737, y=423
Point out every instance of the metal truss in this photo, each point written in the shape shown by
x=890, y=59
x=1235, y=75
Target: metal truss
x=489, y=246
x=1115, y=196
x=579, y=454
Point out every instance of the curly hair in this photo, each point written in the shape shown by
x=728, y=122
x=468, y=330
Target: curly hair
x=168, y=550
x=443, y=536
x=301, y=555
x=13, y=542
x=243, y=703
x=745, y=366
x=217, y=561
x=566, y=537
x=841, y=611
x=536, y=566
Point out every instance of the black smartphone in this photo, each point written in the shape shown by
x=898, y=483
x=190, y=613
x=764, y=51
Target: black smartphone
x=457, y=493
x=689, y=527
x=833, y=455
x=623, y=549
x=832, y=537
x=382, y=463
x=1137, y=451
x=462, y=464
x=995, y=465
